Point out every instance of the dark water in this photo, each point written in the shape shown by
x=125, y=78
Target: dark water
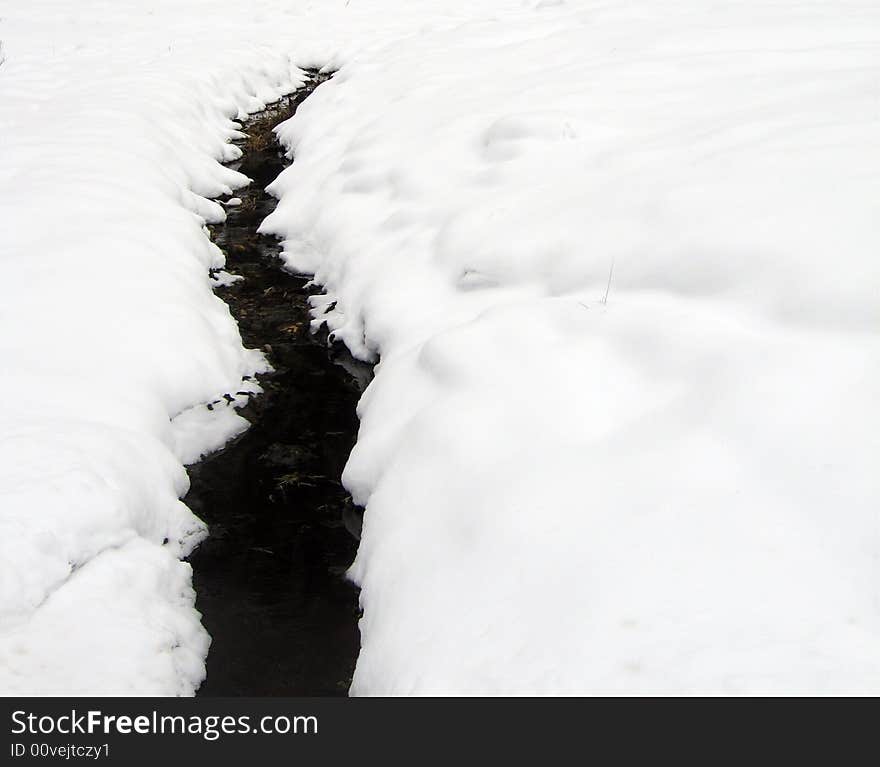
x=270, y=578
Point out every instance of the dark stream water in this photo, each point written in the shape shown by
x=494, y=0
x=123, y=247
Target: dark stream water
x=270, y=578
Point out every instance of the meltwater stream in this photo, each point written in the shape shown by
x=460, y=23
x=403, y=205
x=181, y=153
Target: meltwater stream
x=270, y=578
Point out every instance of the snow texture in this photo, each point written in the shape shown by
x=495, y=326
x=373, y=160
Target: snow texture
x=618, y=261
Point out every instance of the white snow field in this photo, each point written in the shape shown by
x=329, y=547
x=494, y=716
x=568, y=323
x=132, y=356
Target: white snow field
x=671, y=491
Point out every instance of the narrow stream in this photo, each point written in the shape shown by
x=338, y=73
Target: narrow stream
x=270, y=578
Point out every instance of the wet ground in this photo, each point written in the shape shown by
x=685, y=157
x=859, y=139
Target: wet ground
x=270, y=578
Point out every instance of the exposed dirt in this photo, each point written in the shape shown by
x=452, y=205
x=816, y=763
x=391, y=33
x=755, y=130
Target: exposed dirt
x=270, y=578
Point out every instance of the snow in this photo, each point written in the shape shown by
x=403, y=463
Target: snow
x=671, y=491
x=223, y=279
x=112, y=341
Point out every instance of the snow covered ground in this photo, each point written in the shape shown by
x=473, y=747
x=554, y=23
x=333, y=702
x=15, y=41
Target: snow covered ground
x=671, y=491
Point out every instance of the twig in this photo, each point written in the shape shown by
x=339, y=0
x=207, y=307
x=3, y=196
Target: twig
x=608, y=286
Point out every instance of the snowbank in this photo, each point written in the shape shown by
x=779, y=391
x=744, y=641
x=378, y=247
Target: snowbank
x=114, y=123
x=671, y=492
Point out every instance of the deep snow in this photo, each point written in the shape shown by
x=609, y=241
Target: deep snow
x=671, y=492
